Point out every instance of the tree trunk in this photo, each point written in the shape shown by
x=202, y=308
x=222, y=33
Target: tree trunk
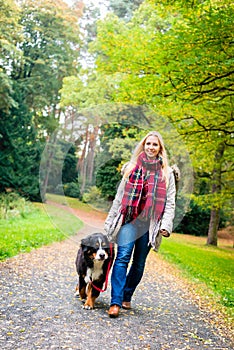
x=213, y=227
x=212, y=238
x=91, y=153
x=81, y=165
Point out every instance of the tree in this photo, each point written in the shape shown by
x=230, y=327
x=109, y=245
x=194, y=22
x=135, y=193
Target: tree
x=108, y=177
x=50, y=51
x=9, y=35
x=33, y=64
x=89, y=95
x=206, y=90
x=19, y=154
x=178, y=60
x=124, y=8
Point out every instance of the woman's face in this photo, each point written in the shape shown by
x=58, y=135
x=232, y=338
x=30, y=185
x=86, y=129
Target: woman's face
x=152, y=147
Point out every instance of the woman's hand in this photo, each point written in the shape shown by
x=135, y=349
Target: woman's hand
x=165, y=233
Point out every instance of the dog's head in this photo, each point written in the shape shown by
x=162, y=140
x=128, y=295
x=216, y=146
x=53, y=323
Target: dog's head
x=96, y=246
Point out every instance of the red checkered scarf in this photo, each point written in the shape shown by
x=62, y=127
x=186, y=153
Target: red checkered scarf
x=145, y=190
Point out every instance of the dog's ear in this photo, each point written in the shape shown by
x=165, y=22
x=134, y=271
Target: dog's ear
x=84, y=247
x=85, y=242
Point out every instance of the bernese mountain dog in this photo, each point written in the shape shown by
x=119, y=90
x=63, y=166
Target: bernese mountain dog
x=93, y=262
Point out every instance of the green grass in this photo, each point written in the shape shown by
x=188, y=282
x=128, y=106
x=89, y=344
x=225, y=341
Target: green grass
x=70, y=202
x=213, y=266
x=41, y=226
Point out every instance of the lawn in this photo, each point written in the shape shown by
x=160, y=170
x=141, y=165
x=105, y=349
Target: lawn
x=70, y=202
x=36, y=228
x=213, y=266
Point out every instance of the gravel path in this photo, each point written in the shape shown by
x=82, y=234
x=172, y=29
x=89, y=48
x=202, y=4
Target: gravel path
x=39, y=310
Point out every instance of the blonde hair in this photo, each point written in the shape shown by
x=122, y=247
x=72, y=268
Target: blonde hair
x=140, y=148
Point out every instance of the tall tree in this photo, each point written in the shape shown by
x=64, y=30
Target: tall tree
x=50, y=51
x=47, y=50
x=9, y=36
x=178, y=59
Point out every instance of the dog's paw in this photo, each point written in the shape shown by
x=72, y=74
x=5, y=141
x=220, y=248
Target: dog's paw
x=76, y=294
x=87, y=307
x=87, y=279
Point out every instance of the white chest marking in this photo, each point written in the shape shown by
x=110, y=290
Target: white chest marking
x=95, y=272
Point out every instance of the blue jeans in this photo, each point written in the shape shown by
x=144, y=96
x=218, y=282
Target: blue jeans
x=131, y=236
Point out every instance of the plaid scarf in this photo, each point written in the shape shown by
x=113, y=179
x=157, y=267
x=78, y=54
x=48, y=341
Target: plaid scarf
x=145, y=191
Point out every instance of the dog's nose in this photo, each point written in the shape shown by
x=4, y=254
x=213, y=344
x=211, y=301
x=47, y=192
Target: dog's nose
x=102, y=256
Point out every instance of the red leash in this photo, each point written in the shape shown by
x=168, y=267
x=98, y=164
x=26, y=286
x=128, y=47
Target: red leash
x=107, y=273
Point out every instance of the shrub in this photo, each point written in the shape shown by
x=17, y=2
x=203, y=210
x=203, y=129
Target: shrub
x=72, y=189
x=196, y=221
x=94, y=197
x=93, y=194
x=11, y=205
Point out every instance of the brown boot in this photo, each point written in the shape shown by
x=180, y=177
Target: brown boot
x=126, y=305
x=114, y=311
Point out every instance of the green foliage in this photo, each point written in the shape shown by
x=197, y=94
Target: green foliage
x=49, y=47
x=9, y=35
x=107, y=178
x=91, y=195
x=177, y=59
x=20, y=153
x=94, y=198
x=195, y=221
x=72, y=189
x=39, y=43
x=6, y=92
x=12, y=205
x=204, y=264
x=58, y=166
x=69, y=172
x=197, y=218
x=63, y=163
x=118, y=139
x=124, y=8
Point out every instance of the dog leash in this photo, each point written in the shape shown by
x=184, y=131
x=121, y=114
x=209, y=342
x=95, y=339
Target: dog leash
x=107, y=273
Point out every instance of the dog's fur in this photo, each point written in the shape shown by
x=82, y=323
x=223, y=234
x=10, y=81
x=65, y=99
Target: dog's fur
x=93, y=259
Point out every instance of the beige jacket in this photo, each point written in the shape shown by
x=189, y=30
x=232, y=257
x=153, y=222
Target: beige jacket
x=113, y=220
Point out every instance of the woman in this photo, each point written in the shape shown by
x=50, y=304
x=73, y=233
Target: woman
x=144, y=206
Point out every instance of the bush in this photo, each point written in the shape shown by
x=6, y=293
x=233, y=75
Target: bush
x=93, y=194
x=11, y=205
x=196, y=221
x=94, y=197
x=72, y=189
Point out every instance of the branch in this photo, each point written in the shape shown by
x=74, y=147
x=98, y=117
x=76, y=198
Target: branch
x=209, y=80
